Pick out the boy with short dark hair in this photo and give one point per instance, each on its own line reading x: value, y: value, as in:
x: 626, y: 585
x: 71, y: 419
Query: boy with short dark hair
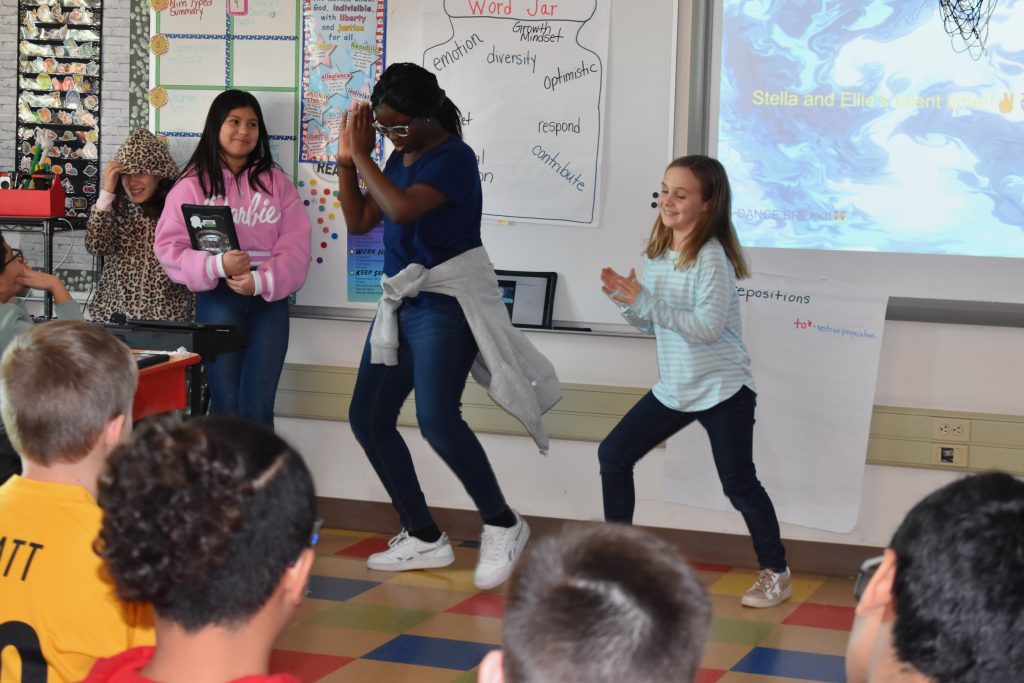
x: 66, y: 388
x: 945, y: 602
x: 605, y: 604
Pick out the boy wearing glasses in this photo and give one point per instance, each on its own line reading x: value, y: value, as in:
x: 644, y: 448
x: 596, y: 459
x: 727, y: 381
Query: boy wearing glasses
x: 945, y: 602
x: 15, y: 277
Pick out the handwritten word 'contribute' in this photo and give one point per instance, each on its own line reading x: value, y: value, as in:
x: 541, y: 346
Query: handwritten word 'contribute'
x: 562, y: 170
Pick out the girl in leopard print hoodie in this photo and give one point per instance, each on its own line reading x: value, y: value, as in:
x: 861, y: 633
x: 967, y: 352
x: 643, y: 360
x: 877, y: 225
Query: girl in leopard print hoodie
x: 121, y: 229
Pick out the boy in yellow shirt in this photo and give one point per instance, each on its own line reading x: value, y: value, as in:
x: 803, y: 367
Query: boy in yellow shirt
x: 66, y: 388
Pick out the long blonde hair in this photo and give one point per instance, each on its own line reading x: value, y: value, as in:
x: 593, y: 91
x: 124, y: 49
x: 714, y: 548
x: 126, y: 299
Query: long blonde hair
x: 714, y: 222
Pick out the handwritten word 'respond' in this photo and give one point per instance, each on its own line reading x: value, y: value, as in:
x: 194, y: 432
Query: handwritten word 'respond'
x: 458, y: 52
x: 534, y: 9
x: 557, y: 127
x: 517, y: 59
x: 195, y: 8
x: 583, y: 70
x: 562, y: 170
x: 536, y: 33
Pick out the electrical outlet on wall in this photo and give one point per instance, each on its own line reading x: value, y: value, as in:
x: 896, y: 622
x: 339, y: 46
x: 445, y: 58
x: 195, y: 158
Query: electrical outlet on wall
x: 949, y: 455
x: 951, y: 429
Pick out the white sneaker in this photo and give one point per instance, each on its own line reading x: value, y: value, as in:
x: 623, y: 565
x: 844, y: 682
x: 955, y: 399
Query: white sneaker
x: 769, y: 589
x: 500, y: 547
x: 408, y: 552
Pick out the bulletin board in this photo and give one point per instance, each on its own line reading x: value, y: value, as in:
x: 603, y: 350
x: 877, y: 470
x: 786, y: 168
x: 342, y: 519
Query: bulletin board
x: 632, y: 103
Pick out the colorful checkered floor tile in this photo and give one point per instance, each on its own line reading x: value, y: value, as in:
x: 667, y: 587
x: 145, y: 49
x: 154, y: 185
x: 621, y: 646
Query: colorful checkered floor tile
x: 433, y: 626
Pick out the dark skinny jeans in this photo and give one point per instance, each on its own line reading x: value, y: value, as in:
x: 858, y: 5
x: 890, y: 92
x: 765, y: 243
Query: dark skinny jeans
x: 730, y: 428
x: 436, y: 350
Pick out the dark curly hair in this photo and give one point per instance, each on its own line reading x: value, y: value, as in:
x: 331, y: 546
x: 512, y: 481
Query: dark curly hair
x: 202, y: 518
x: 412, y: 90
x: 959, y: 586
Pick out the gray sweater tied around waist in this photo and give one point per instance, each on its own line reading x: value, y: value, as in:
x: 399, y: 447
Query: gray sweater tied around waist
x: 516, y: 375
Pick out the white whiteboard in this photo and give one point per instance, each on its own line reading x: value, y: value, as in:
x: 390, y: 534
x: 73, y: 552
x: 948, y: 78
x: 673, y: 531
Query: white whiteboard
x: 638, y: 121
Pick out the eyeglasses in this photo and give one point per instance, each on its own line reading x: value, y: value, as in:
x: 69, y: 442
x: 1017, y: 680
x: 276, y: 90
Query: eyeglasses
x: 397, y: 131
x: 315, y: 535
x: 867, y: 570
x: 15, y: 256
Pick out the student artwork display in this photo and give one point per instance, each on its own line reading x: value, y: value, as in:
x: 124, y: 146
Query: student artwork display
x: 59, y: 96
x: 343, y: 56
x: 530, y: 78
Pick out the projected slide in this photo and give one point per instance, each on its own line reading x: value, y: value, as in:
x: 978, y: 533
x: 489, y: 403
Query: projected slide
x: 854, y: 125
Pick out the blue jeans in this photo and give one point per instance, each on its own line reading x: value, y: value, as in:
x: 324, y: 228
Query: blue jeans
x: 730, y: 428
x: 436, y: 350
x: 244, y: 382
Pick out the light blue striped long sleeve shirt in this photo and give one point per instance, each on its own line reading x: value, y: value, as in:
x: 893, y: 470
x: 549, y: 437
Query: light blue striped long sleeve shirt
x: 695, y: 316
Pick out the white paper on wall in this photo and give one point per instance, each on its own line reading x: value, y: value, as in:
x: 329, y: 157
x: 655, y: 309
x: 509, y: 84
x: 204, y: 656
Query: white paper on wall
x: 814, y: 347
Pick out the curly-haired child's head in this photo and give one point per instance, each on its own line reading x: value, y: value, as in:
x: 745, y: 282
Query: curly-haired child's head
x: 202, y: 518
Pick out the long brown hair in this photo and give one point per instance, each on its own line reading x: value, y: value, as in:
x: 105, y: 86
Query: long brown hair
x: 714, y: 222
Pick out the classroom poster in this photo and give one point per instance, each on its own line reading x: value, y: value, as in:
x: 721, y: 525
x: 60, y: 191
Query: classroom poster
x: 343, y: 56
x: 814, y: 348
x: 200, y: 49
x: 530, y: 78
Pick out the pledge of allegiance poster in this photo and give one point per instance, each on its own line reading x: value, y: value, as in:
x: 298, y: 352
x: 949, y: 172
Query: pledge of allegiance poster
x: 343, y: 56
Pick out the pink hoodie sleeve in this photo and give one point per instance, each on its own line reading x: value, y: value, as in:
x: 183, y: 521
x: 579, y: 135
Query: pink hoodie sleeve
x: 285, y: 271
x: 193, y: 268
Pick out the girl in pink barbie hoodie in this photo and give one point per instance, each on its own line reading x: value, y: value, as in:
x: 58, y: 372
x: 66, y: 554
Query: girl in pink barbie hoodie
x: 246, y: 287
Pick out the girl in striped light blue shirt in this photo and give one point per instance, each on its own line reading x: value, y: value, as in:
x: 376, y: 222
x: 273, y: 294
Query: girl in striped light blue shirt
x: 687, y: 298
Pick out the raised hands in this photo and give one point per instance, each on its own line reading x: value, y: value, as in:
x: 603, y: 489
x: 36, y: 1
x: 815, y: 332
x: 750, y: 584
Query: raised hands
x: 620, y: 288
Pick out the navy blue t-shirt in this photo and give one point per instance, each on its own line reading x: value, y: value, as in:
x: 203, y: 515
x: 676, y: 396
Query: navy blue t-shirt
x: 450, y: 229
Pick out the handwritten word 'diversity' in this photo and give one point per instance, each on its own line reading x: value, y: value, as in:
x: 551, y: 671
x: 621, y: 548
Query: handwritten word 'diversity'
x: 562, y: 170
x: 534, y: 8
x: 530, y: 32
x: 516, y: 59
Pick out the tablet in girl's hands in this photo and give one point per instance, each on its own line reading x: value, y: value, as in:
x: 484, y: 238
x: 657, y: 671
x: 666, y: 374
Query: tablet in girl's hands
x: 210, y: 228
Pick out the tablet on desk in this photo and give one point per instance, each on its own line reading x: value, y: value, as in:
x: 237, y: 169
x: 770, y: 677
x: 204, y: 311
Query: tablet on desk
x: 528, y: 296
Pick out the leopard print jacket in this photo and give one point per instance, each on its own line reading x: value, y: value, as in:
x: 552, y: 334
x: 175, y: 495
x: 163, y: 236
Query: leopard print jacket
x: 132, y: 281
